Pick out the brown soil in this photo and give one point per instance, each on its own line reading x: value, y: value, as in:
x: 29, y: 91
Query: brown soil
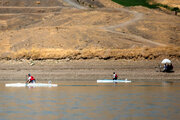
x: 84, y: 43
x: 86, y: 70
x: 64, y: 25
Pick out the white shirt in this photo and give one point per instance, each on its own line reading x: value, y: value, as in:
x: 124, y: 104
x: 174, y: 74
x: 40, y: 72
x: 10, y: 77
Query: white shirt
x: 29, y: 78
x: 114, y: 75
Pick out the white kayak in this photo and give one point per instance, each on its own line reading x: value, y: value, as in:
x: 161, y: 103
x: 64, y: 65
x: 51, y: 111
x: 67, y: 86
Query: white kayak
x: 113, y: 81
x: 31, y: 85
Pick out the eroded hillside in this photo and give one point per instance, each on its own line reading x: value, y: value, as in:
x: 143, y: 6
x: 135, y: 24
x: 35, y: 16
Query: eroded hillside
x: 59, y: 29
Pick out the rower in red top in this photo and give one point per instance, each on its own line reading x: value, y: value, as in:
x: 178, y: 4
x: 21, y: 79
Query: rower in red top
x: 31, y: 79
x: 115, y: 76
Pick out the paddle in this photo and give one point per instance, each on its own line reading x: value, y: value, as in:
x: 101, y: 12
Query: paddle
x: 26, y: 80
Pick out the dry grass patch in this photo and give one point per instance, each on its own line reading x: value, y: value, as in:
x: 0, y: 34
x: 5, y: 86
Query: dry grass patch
x: 138, y: 53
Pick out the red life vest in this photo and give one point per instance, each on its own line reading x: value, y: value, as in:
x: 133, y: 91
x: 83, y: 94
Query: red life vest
x: 32, y: 78
x: 116, y: 76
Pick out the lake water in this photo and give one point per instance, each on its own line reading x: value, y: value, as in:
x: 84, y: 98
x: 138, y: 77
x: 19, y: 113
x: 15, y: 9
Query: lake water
x: 140, y: 101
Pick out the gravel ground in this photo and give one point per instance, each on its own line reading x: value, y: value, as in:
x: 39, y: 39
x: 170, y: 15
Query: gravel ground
x: 86, y: 70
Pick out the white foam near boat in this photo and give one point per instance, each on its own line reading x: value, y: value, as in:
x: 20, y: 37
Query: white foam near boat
x: 31, y: 85
x: 113, y: 81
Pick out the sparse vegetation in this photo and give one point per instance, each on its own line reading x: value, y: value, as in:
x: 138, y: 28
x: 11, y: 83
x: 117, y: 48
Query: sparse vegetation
x: 53, y: 34
x: 136, y: 3
x: 176, y: 9
x: 139, y: 53
x: 90, y: 3
x: 146, y: 3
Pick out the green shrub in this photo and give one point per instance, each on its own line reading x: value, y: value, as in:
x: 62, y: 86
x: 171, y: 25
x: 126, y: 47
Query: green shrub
x: 145, y: 3
x: 136, y: 3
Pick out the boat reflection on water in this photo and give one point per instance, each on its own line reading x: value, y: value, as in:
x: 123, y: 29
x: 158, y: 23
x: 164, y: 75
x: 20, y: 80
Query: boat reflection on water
x: 89, y: 100
x: 167, y: 83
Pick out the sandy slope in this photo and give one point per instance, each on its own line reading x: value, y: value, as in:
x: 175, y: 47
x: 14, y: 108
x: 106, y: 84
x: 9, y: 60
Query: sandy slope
x: 86, y: 70
x: 26, y: 25
x: 70, y: 31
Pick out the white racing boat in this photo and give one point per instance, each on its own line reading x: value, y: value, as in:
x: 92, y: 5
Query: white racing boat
x: 113, y: 81
x: 31, y: 85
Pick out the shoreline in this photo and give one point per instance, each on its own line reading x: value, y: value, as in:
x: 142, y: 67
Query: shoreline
x: 86, y: 70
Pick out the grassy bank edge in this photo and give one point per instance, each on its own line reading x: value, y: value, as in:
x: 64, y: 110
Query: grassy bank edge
x: 93, y: 53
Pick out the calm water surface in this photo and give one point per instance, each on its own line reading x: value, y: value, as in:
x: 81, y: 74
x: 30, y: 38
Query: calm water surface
x: 92, y: 102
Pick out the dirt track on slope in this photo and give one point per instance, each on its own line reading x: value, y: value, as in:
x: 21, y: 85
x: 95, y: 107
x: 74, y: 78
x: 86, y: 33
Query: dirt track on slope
x: 74, y: 4
x: 137, y: 16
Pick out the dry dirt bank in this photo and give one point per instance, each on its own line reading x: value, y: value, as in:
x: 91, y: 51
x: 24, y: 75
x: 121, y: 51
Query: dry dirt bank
x: 48, y: 28
x: 39, y: 31
x: 86, y: 70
